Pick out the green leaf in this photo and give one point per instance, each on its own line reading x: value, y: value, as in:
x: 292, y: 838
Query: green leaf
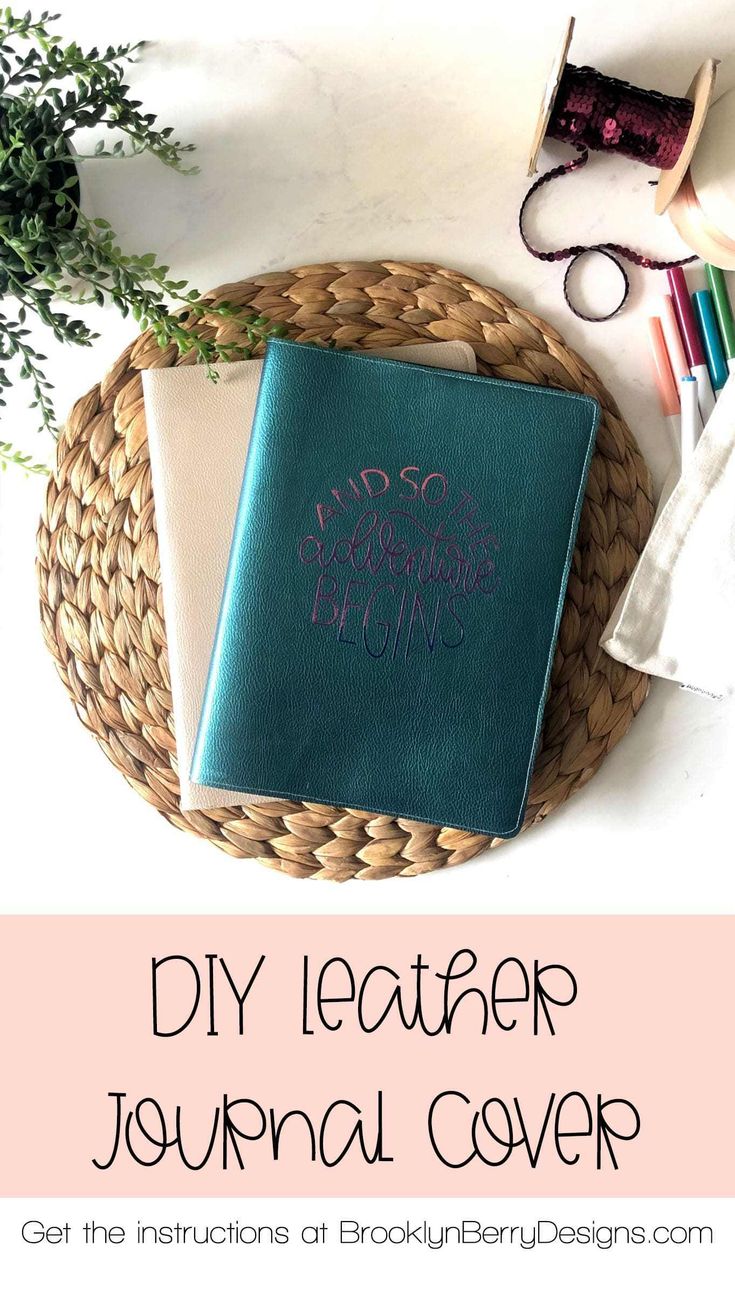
x: 58, y: 90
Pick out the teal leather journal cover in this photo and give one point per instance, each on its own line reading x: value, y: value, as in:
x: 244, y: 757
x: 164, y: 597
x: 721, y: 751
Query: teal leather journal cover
x: 395, y: 585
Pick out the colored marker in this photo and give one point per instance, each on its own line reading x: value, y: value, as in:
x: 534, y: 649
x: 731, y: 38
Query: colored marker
x: 665, y: 384
x: 690, y: 420
x: 674, y: 346
x: 692, y: 344
x: 723, y: 311
x: 677, y: 359
x: 710, y: 335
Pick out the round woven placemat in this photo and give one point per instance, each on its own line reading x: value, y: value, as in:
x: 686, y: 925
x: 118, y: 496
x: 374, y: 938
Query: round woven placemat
x: 101, y: 597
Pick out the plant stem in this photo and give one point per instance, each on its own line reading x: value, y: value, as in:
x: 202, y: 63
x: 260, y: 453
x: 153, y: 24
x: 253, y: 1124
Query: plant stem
x: 10, y: 457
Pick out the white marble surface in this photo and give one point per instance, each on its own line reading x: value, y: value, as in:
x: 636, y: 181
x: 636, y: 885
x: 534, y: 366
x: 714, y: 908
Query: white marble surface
x: 329, y: 131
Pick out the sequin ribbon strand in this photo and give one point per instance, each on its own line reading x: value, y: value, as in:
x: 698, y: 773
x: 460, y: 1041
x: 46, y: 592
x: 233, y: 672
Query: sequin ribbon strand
x: 598, y: 113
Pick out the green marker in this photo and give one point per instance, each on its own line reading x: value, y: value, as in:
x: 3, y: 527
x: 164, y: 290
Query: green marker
x: 723, y: 310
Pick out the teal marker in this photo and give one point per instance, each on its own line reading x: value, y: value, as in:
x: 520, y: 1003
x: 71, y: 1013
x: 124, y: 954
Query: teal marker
x: 723, y: 310
x: 710, y: 334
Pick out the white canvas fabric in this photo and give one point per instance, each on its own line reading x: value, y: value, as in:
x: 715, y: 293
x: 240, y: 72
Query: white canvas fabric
x: 676, y: 615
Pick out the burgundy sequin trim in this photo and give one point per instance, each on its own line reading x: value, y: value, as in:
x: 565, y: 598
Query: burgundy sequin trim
x: 606, y: 115
x: 599, y: 113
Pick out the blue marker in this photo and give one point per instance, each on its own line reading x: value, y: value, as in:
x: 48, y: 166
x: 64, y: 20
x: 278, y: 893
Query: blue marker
x: 710, y: 333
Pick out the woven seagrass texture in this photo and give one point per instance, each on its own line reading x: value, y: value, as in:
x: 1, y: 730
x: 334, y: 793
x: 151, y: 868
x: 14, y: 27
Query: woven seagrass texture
x: 99, y: 573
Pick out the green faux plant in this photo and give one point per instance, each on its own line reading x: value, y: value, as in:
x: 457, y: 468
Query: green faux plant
x: 52, y: 254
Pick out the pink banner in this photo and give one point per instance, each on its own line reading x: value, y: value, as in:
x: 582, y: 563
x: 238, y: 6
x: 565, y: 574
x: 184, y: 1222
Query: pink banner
x: 477, y: 1056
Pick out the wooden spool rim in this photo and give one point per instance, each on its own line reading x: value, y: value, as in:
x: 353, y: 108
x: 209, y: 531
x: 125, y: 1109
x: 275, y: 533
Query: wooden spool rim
x: 551, y: 89
x: 700, y: 92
